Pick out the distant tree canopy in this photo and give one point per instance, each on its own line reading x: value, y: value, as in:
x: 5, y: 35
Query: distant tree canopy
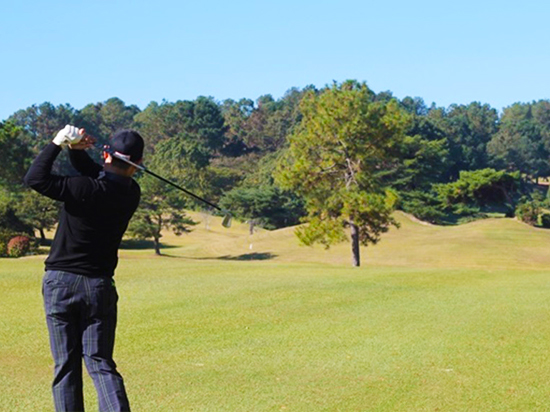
x: 101, y: 120
x: 523, y: 140
x: 468, y: 130
x: 441, y: 164
x: 15, y: 154
x: 198, y: 123
x: 42, y: 122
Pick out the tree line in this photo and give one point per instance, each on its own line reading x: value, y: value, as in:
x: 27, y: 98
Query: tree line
x: 337, y: 157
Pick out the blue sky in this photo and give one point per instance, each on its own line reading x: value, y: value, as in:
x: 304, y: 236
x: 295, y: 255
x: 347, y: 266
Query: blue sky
x: 81, y: 52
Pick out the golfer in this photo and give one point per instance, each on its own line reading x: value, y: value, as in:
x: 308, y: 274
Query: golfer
x: 80, y: 298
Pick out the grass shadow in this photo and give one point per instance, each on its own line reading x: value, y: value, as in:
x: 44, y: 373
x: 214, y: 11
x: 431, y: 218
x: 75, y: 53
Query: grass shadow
x: 250, y: 256
x: 44, y: 242
x: 142, y: 244
x: 245, y: 257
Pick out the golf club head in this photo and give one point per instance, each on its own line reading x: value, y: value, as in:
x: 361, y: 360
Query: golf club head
x: 226, y: 222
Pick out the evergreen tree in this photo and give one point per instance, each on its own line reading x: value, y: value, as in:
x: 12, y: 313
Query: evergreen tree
x: 343, y: 139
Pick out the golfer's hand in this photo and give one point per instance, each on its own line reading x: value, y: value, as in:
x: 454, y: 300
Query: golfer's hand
x: 68, y: 135
x: 85, y: 142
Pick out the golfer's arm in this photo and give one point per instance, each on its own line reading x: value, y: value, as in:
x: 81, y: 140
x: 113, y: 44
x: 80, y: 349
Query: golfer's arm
x: 40, y: 178
x: 84, y: 164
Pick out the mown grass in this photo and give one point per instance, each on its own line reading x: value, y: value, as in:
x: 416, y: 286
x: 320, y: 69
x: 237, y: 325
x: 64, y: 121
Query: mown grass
x: 449, y: 319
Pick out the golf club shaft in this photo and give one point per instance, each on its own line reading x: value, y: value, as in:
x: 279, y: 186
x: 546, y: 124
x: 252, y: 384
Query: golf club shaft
x: 177, y: 187
x: 143, y: 168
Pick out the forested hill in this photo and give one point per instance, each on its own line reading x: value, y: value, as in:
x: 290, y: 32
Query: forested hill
x: 450, y: 164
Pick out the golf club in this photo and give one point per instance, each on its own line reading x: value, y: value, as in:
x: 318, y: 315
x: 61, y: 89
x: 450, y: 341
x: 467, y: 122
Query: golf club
x: 227, y: 218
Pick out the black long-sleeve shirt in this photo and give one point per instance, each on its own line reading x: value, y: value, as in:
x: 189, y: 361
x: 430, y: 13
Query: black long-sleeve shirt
x: 97, y: 207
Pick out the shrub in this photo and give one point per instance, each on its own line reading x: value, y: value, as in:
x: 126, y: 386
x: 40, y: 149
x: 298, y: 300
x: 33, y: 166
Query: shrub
x: 545, y: 220
x: 480, y: 188
x: 18, y: 246
x: 425, y: 212
x: 5, y: 236
x: 423, y: 205
x: 528, y: 212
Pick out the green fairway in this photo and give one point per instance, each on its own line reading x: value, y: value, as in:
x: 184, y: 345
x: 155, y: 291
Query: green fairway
x: 437, y: 318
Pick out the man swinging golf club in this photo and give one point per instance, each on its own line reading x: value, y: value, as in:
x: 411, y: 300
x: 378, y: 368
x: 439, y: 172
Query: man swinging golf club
x: 80, y: 298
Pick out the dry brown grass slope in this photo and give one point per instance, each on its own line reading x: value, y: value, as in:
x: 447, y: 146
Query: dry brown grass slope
x: 490, y: 243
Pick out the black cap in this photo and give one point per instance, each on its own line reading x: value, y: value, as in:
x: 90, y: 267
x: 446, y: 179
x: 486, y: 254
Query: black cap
x: 128, y: 143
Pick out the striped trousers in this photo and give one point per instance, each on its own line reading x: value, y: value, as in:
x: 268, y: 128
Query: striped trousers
x: 81, y: 313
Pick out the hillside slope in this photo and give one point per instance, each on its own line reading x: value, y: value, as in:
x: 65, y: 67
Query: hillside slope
x: 490, y: 243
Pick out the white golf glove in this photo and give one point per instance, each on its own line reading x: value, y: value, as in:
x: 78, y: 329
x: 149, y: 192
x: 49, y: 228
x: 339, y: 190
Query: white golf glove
x: 69, y: 135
